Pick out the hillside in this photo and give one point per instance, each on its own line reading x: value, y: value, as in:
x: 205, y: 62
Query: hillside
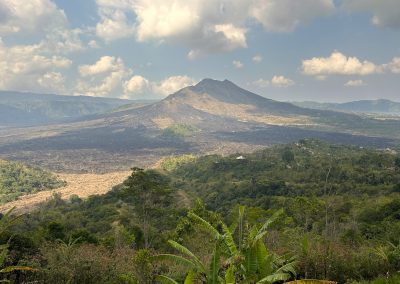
x: 340, y: 217
x: 17, y: 179
x: 287, y: 171
x: 26, y: 109
x: 364, y: 106
x: 210, y: 117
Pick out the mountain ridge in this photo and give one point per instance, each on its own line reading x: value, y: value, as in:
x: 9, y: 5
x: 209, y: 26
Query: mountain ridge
x: 29, y: 109
x: 379, y: 106
x: 210, y: 117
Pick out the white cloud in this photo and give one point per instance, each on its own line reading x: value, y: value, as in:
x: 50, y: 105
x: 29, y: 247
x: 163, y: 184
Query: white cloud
x: 172, y: 84
x: 52, y: 81
x: 237, y: 64
x: 257, y: 58
x: 110, y: 77
x: 103, y: 65
x: 234, y: 35
x: 23, y: 66
x: 20, y: 17
x: 281, y: 81
x: 394, y: 65
x: 203, y: 26
x: 63, y: 41
x: 385, y: 13
x: 136, y: 85
x: 160, y: 18
x: 355, y: 83
x: 338, y: 64
x: 105, y: 77
x: 93, y: 44
x: 41, y: 20
x: 286, y: 15
x: 114, y: 24
x: 108, y: 86
x: 276, y: 81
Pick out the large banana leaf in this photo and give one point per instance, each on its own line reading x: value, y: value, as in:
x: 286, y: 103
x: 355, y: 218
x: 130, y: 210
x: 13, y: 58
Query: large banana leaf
x: 214, y: 266
x: 187, y: 252
x: 205, y: 225
x: 165, y: 280
x: 228, y: 239
x: 263, y: 230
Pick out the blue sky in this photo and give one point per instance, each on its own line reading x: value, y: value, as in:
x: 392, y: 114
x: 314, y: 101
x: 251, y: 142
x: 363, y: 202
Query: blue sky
x: 293, y: 50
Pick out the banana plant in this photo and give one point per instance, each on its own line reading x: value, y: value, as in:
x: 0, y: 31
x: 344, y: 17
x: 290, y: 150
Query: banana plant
x: 198, y: 271
x: 260, y: 265
x: 249, y: 261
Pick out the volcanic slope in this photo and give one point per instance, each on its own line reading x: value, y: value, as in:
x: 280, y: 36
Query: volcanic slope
x: 210, y: 117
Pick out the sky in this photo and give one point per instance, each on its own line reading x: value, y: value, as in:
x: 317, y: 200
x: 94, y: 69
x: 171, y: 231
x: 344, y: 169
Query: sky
x: 288, y: 50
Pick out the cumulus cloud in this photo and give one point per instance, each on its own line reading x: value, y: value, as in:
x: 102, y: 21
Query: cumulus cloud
x: 34, y: 16
x: 286, y: 15
x: 355, y: 83
x: 385, y: 13
x: 203, y: 26
x: 276, y: 81
x: 103, y: 65
x: 108, y: 86
x: 281, y: 81
x: 52, y: 81
x: 105, y: 77
x: 339, y: 64
x: 257, y: 58
x: 394, y: 65
x: 136, y: 85
x: 172, y: 84
x: 109, y: 76
x: 237, y: 64
x: 114, y: 22
x: 42, y: 20
x: 23, y: 66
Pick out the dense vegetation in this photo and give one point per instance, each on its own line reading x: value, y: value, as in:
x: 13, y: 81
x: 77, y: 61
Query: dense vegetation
x: 304, y: 210
x: 178, y: 131
x: 17, y: 179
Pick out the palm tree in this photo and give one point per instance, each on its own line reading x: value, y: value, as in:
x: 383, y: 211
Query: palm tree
x: 249, y: 261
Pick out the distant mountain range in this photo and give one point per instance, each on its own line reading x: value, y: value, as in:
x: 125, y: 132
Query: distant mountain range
x: 28, y: 109
x: 363, y: 106
x: 210, y: 117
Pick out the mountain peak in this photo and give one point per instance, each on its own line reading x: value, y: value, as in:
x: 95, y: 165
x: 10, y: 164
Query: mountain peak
x: 213, y: 82
x: 223, y: 91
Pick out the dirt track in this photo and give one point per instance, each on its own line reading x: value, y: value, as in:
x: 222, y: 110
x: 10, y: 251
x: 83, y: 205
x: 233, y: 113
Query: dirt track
x: 82, y: 185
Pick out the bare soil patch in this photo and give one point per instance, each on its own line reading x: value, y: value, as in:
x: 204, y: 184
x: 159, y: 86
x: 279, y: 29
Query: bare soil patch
x: 82, y: 185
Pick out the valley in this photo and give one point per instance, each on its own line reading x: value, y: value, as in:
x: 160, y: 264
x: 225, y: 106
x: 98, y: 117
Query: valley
x: 205, y: 154
x: 225, y: 119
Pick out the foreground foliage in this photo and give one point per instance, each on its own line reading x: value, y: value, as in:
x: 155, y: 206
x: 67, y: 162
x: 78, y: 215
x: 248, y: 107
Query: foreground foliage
x: 336, y: 209
x: 249, y: 261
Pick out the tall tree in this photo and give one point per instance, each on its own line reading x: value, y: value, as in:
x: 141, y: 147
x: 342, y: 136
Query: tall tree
x: 149, y: 191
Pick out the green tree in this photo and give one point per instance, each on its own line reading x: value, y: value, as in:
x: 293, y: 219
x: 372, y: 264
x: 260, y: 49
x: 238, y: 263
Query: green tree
x: 287, y: 155
x: 149, y: 191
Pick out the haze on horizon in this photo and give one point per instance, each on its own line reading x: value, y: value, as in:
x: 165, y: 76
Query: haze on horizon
x: 316, y: 50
